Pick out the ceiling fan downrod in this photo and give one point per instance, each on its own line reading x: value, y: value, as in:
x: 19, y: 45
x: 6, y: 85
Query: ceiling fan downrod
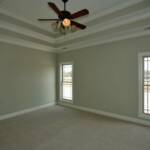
x: 65, y: 1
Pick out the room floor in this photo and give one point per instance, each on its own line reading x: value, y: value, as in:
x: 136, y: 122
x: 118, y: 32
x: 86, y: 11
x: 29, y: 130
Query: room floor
x: 59, y: 128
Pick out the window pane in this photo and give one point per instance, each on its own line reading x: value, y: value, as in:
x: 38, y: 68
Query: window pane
x: 147, y: 85
x: 67, y: 73
x: 67, y: 82
x: 67, y: 91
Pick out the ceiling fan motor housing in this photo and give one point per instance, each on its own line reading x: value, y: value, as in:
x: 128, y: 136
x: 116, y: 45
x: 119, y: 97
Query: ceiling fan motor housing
x: 65, y: 14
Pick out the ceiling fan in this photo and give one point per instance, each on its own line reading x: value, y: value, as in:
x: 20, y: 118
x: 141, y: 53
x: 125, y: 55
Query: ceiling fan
x: 65, y: 18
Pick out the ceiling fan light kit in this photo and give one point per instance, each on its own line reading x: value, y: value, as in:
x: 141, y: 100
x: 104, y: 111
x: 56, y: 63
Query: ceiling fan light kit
x: 57, y: 27
x: 65, y: 22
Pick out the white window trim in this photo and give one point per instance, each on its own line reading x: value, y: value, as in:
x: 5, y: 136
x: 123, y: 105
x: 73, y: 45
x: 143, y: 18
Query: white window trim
x: 60, y: 81
x: 141, y: 113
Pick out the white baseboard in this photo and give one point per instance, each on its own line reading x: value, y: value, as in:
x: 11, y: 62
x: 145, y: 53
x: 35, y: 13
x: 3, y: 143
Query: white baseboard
x: 14, y: 114
x: 108, y: 114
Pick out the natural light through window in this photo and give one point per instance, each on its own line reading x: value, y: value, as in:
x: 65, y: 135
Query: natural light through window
x: 66, y: 83
x: 144, y: 85
x: 147, y: 85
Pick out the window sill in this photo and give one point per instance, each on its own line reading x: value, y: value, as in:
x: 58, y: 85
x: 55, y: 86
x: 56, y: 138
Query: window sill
x: 66, y: 101
x: 144, y: 116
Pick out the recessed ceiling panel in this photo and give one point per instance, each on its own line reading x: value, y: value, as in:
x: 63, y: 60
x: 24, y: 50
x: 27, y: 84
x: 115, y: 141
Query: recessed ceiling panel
x: 33, y: 9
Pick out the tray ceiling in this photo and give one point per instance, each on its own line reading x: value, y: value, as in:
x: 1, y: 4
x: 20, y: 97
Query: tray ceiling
x: 109, y: 21
x: 33, y: 9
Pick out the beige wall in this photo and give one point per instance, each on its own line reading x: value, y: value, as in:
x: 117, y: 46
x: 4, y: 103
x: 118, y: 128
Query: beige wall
x: 106, y: 76
x: 27, y: 78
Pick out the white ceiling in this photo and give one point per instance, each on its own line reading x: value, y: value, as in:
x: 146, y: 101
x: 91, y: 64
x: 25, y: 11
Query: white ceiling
x: 109, y: 21
x: 33, y: 9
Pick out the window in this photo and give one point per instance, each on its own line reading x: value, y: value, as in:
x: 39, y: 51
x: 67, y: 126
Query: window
x: 144, y: 85
x: 66, y: 78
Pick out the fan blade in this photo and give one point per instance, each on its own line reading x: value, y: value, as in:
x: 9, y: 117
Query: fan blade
x: 48, y: 19
x: 55, y: 8
x: 81, y: 26
x: 80, y: 13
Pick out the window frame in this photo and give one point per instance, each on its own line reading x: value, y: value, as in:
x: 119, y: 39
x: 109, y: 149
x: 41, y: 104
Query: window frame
x: 141, y: 113
x: 60, y: 81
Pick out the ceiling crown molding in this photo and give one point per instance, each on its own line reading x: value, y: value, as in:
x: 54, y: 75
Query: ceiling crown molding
x: 24, y: 43
x: 138, y: 32
x: 22, y: 19
x: 25, y: 32
x: 123, y: 20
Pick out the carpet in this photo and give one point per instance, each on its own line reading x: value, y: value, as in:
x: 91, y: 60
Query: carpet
x: 60, y: 128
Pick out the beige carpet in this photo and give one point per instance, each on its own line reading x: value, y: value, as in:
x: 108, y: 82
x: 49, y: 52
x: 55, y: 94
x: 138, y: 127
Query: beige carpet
x: 59, y: 128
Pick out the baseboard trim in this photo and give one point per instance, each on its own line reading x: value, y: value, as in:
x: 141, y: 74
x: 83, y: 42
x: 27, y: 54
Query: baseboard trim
x: 25, y: 111
x: 108, y: 114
